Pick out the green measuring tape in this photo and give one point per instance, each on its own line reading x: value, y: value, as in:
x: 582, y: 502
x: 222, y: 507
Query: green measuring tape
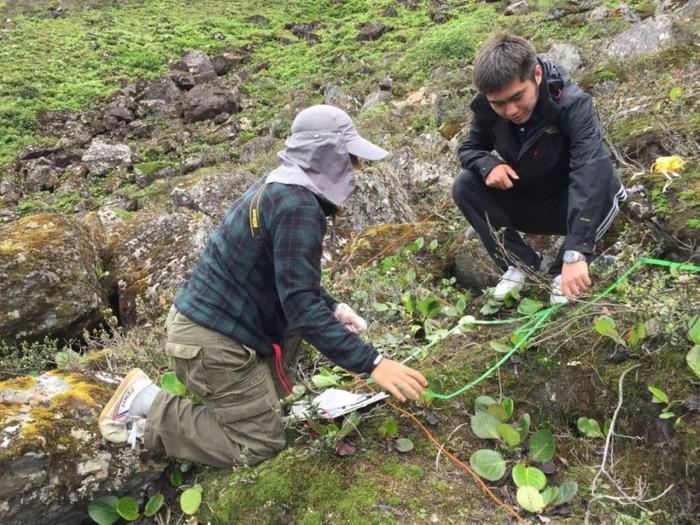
x: 537, y: 320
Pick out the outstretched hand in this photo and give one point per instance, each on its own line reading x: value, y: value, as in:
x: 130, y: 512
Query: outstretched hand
x: 399, y: 380
x: 574, y: 279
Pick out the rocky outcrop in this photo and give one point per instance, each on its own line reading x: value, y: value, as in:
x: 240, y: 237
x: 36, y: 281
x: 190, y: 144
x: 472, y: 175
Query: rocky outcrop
x: 212, y: 194
x: 52, y: 459
x: 379, y: 197
x: 49, y: 266
x: 644, y: 37
x: 150, y: 256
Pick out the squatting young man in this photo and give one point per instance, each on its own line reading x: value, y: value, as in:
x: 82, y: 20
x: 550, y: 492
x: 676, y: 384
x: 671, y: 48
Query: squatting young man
x: 535, y: 162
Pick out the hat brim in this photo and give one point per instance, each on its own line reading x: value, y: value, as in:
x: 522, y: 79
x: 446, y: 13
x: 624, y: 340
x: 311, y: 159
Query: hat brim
x: 365, y: 149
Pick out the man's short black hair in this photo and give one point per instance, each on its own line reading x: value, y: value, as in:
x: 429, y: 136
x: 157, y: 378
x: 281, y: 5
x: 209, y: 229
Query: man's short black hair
x: 501, y: 60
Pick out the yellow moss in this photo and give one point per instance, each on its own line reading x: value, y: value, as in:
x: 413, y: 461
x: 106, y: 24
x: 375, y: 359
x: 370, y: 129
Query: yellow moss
x: 7, y: 247
x: 44, y: 230
x: 18, y: 383
x: 383, y: 239
x: 7, y: 412
x: 87, y: 394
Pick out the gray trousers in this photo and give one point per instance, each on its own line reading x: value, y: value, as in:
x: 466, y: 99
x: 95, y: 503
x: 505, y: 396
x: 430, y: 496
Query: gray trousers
x: 239, y: 418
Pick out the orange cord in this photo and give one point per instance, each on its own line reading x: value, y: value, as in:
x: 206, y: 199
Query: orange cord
x: 451, y: 456
x: 456, y: 460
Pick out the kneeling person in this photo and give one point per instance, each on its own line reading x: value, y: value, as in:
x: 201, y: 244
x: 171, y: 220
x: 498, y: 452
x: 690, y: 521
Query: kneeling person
x: 258, y: 278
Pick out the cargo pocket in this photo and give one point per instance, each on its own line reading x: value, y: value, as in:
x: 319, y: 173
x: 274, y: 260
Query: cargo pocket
x: 187, y: 363
x: 251, y: 393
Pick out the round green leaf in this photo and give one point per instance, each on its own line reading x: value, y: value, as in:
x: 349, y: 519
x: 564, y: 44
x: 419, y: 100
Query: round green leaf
x: 485, y: 426
x: 154, y: 504
x: 529, y: 306
x: 403, y: 445
x: 482, y: 403
x: 128, y: 508
x: 191, y: 499
x: 497, y: 411
x: 566, y: 492
x: 488, y: 464
x: 530, y: 499
x: 104, y: 510
x: 388, y: 428
x: 529, y: 476
x: 693, y: 359
x: 176, y: 478
x: 542, y: 445
x: 509, y: 434
x: 589, y: 427
x: 549, y: 495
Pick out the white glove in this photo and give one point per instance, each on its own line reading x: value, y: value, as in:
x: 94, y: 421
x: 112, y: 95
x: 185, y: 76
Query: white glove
x: 349, y: 318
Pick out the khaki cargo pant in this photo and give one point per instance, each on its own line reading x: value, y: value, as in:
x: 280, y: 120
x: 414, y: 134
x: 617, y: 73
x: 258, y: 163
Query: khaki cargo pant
x: 239, y: 420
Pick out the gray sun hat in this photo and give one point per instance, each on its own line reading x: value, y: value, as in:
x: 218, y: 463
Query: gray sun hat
x: 330, y: 118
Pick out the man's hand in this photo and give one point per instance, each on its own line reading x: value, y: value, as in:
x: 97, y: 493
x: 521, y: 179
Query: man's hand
x: 399, y: 380
x: 574, y: 279
x: 501, y: 177
x: 349, y: 318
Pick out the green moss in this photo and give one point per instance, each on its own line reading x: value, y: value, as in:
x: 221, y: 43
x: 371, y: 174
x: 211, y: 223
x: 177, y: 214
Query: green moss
x: 312, y: 489
x: 148, y: 168
x: 402, y: 469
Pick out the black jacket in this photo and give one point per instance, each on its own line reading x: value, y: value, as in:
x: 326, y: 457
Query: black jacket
x: 564, y: 149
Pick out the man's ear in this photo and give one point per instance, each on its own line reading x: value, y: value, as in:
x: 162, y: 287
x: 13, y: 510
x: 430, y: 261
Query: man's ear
x: 538, y: 74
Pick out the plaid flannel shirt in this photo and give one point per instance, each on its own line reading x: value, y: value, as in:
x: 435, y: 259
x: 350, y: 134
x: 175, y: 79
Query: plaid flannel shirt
x: 252, y: 288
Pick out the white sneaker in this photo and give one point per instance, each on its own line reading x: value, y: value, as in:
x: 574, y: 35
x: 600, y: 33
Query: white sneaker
x: 115, y: 419
x: 556, y: 297
x: 513, y: 279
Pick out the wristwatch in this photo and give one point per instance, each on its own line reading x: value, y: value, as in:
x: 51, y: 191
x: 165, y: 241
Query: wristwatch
x: 572, y: 256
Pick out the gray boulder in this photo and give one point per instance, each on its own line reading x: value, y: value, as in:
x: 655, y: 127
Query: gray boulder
x: 40, y: 174
x: 206, y: 101
x: 381, y: 198
x: 48, y: 281
x: 333, y: 96
x: 103, y: 157
x: 150, y: 257
x: 375, y: 99
x: 643, y: 37
x: 163, y: 98
x: 199, y: 65
x: 371, y: 31
x: 568, y: 55
x: 516, y: 8
x: 212, y: 194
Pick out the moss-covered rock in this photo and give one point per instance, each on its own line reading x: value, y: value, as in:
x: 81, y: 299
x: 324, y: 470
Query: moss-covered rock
x: 52, y: 460
x: 48, y: 278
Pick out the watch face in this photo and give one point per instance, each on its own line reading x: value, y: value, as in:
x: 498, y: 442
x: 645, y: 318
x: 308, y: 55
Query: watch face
x: 571, y: 257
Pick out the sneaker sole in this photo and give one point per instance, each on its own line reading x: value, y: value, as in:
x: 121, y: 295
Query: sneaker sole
x: 107, y: 424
